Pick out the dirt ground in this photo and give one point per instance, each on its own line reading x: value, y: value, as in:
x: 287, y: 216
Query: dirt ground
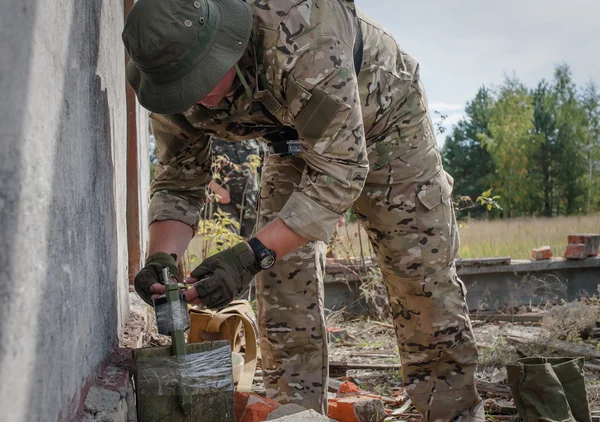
x: 373, y: 343
x: 364, y: 351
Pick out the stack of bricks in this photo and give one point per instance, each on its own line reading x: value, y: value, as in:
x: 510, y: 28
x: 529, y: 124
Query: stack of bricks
x: 582, y: 246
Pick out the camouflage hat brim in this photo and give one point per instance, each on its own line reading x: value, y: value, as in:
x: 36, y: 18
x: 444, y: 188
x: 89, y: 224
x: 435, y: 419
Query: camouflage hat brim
x: 231, y: 23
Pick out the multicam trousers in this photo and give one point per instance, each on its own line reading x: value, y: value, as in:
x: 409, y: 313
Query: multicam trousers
x: 406, y: 210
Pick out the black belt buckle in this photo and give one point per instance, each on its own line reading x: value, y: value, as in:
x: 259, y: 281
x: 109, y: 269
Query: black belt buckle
x: 285, y: 148
x: 293, y: 148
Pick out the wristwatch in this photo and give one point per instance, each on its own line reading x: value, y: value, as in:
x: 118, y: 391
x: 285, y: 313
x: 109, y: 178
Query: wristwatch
x: 265, y: 258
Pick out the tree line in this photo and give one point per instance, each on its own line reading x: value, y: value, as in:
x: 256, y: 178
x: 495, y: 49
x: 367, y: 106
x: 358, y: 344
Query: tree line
x: 538, y: 149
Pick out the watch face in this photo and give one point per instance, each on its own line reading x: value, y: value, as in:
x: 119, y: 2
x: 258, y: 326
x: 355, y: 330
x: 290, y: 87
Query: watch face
x: 267, y: 262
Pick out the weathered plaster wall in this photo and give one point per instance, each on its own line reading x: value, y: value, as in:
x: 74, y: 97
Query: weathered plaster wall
x: 63, y: 254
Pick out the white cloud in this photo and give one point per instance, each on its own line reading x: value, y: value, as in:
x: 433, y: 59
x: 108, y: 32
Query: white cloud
x: 445, y: 107
x: 453, y: 119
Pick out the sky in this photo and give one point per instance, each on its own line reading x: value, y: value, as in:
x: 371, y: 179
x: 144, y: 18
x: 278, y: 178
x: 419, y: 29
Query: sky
x: 464, y: 44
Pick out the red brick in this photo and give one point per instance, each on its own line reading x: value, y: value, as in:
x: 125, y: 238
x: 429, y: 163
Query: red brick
x: 348, y: 387
x: 576, y: 251
x: 257, y: 412
x: 591, y: 242
x: 544, y: 252
x: 241, y: 406
x: 342, y: 409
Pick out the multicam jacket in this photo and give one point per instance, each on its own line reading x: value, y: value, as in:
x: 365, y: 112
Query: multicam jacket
x: 298, y: 71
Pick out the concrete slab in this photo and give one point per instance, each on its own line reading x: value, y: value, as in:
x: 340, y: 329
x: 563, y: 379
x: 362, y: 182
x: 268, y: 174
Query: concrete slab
x: 286, y: 410
x: 306, y: 416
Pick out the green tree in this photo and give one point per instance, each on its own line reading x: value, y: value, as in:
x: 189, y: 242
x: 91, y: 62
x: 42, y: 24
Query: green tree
x: 511, y: 143
x: 545, y: 159
x: 590, y: 100
x: 464, y: 157
x: 570, y: 142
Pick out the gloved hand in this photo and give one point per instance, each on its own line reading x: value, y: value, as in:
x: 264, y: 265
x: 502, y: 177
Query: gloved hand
x: 152, y: 274
x: 224, y: 275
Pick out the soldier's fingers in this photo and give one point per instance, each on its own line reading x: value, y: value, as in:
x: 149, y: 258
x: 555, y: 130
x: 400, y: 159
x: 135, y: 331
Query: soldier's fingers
x: 191, y: 279
x: 201, y: 270
x: 157, y: 288
x: 216, y: 300
x: 190, y: 295
x: 206, y: 286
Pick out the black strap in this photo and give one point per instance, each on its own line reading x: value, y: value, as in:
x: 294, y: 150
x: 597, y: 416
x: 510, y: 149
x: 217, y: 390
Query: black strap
x: 358, y: 47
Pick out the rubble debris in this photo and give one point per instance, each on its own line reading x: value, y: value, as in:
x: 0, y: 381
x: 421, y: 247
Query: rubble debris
x: 541, y: 253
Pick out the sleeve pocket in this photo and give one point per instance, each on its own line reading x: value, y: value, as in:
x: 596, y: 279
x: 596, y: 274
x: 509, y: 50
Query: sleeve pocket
x: 432, y: 193
x: 316, y: 115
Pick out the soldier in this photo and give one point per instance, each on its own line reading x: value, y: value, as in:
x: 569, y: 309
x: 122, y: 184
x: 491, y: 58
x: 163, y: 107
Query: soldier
x: 238, y: 189
x: 345, y: 113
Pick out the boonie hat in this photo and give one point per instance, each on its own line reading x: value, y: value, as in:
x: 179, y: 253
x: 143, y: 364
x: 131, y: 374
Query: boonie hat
x: 181, y: 49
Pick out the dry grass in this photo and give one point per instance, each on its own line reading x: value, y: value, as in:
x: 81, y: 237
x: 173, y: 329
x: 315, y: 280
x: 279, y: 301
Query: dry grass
x: 479, y: 239
x: 516, y: 238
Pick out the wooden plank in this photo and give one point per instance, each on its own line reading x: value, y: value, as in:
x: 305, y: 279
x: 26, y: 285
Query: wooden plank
x: 338, y: 369
x: 489, y: 387
x: 483, y: 262
x: 562, y: 347
x: 214, y: 403
x: 505, y: 317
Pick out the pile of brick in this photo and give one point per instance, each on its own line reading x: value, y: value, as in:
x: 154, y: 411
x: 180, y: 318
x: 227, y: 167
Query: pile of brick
x: 582, y: 246
x: 350, y: 404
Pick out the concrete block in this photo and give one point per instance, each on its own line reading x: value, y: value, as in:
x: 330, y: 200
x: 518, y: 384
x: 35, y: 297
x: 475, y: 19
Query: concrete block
x: 103, y: 405
x: 591, y: 242
x: 100, y: 400
x: 306, y: 416
x: 369, y: 410
x: 544, y: 252
x: 576, y: 251
x: 285, y: 410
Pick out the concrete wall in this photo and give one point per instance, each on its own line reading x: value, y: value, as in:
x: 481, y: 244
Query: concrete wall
x: 63, y: 254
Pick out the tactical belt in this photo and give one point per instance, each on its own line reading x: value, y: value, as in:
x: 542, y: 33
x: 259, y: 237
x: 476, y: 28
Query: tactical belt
x: 285, y: 141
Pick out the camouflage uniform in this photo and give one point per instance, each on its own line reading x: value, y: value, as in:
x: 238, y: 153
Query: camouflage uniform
x: 380, y: 157
x: 242, y: 184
